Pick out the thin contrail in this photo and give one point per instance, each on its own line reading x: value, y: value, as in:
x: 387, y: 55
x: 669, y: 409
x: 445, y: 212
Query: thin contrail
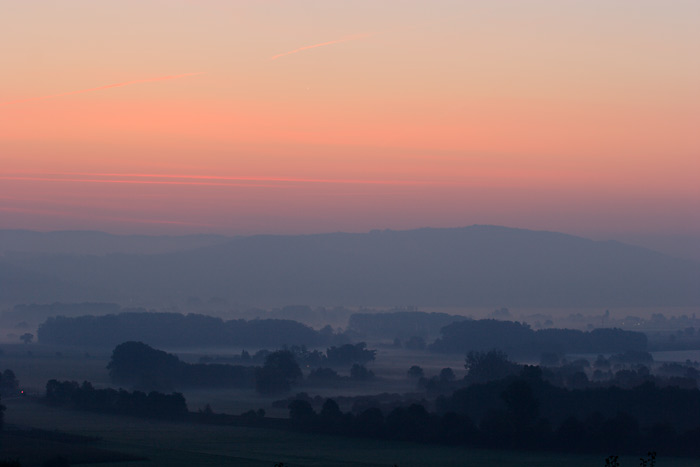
x: 322, y: 44
x: 99, y: 88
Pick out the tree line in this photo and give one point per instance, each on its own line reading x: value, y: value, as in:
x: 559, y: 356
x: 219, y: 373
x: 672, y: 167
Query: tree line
x: 334, y: 356
x: 526, y: 413
x: 141, y: 366
x: 9, y: 386
x: 519, y: 339
x: 137, y: 403
x: 457, y: 334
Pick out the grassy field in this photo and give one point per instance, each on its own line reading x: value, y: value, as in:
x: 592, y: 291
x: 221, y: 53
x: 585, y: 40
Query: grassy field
x: 181, y: 444
x: 35, y: 450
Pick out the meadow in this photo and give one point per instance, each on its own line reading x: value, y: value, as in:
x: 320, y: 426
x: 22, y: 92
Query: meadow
x: 183, y: 444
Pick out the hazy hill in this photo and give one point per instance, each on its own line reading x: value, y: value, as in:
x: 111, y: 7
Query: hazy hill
x: 477, y: 266
x: 99, y: 243
x: 17, y: 283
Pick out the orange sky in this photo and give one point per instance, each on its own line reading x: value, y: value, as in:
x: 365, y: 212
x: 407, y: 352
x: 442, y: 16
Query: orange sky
x: 287, y: 117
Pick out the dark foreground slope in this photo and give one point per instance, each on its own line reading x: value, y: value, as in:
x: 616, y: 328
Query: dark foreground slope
x: 472, y: 266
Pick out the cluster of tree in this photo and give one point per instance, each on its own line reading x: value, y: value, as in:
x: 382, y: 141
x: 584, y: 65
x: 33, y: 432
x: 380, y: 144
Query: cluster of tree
x: 633, y: 377
x: 343, y: 355
x: 648, y: 403
x: 625, y: 370
x: 481, y: 367
x: 519, y: 339
x: 278, y: 373
x: 9, y: 385
x: 525, y: 412
x: 577, y: 374
x: 350, y: 354
x: 666, y: 332
x: 441, y: 383
x: 281, y: 370
x: 27, y: 338
x: 677, y: 370
x: 86, y: 397
x: 400, y: 325
x: 178, y: 330
x: 141, y: 366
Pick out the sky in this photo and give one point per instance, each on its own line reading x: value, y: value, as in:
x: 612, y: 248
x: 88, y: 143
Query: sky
x: 245, y: 117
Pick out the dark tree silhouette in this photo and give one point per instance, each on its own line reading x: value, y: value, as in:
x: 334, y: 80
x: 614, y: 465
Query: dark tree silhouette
x: 2, y: 415
x: 137, y: 403
x: 370, y: 422
x: 331, y: 410
x: 146, y: 368
x: 138, y: 364
x: 518, y: 338
x: 415, y: 372
x: 349, y: 353
x: 278, y: 373
x: 27, y: 337
x: 447, y: 375
x: 411, y: 423
x: 8, y: 383
x: 521, y: 405
x: 330, y: 417
x: 488, y: 366
x: 301, y: 413
x: 415, y: 343
x: 360, y: 373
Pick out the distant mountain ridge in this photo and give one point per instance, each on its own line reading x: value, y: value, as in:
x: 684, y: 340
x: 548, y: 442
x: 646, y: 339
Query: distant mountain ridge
x: 470, y: 266
x: 99, y: 243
